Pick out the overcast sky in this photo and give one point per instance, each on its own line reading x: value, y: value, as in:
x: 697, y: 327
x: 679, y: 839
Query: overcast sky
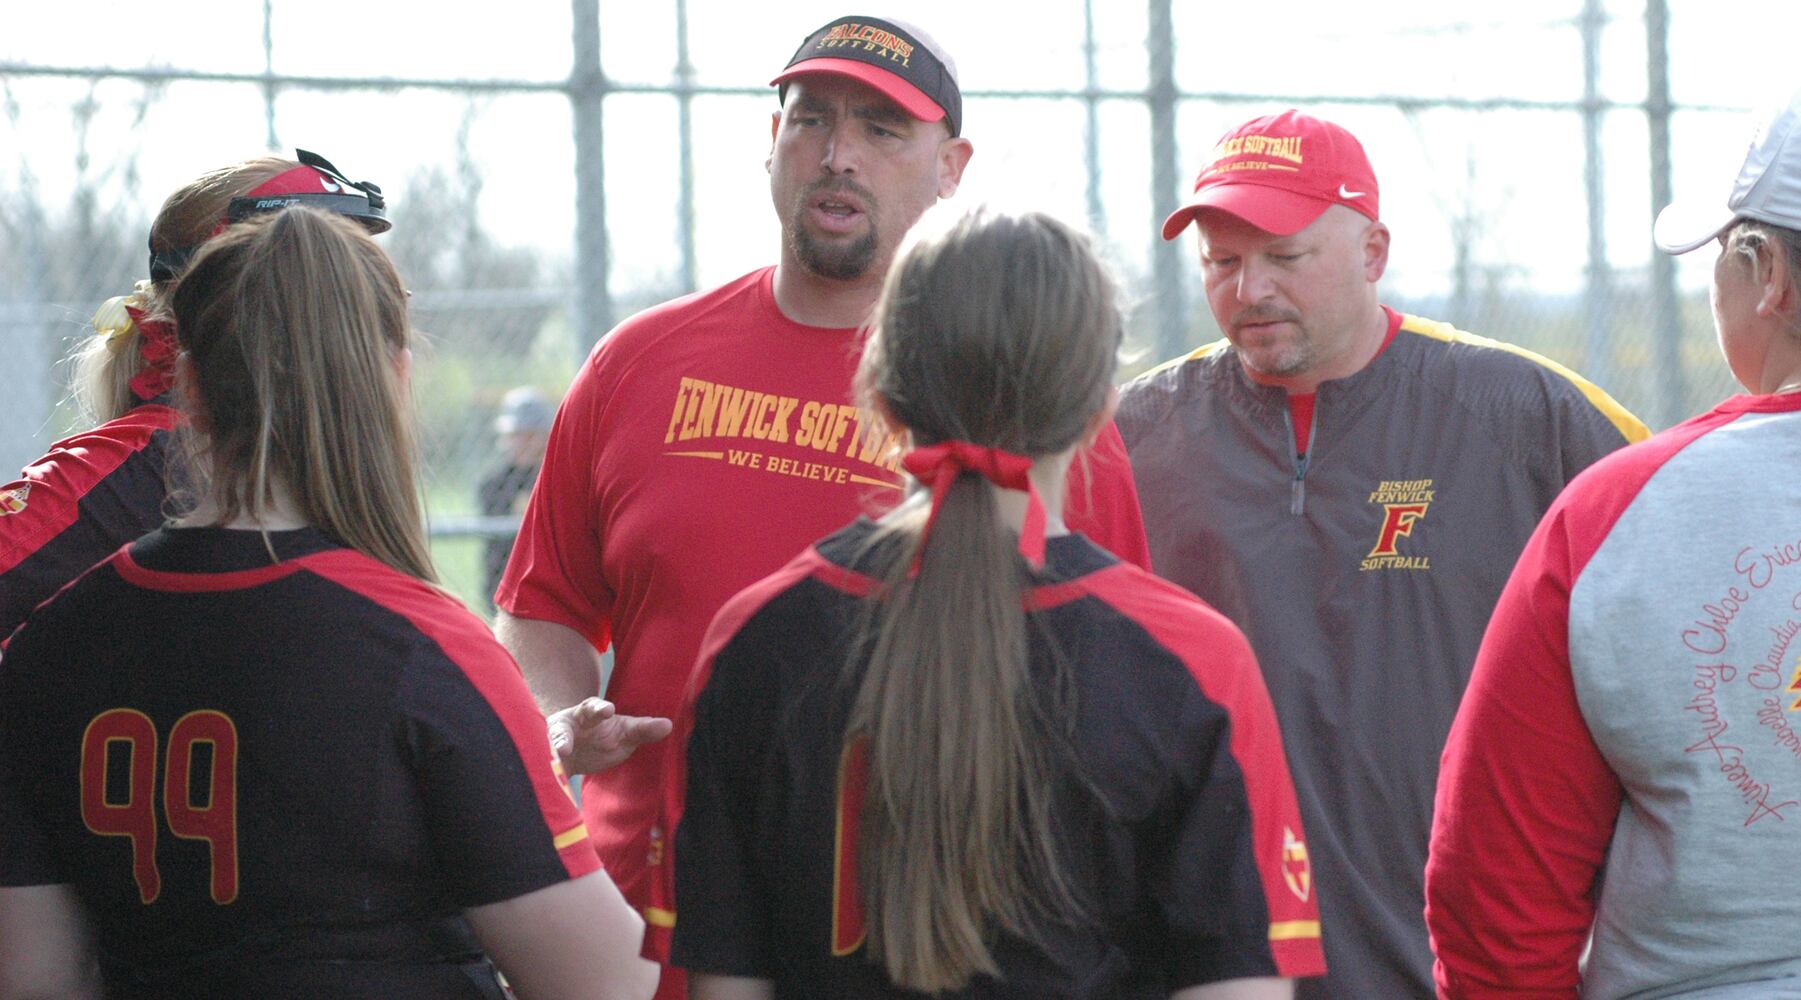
x: 1517, y: 174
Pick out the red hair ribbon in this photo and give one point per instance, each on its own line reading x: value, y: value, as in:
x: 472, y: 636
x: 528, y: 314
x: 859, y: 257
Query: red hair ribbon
x: 938, y: 466
x: 156, y: 342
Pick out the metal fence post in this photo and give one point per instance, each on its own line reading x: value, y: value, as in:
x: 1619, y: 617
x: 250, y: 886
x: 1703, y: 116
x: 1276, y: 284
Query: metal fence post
x: 1597, y: 299
x: 684, y: 99
x: 1666, y: 308
x: 1166, y: 256
x: 25, y: 402
x: 269, y: 73
x: 1091, y: 139
x: 593, y: 300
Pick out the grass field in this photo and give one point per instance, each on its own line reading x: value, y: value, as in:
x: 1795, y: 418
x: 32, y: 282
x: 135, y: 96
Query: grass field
x: 459, y: 562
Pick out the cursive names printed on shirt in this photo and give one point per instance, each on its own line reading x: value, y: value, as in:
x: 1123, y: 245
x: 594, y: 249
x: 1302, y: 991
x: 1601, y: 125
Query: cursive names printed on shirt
x: 1740, y: 614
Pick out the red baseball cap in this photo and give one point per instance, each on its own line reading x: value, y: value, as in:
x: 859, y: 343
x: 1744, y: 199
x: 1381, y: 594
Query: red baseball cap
x: 892, y: 56
x: 1279, y: 173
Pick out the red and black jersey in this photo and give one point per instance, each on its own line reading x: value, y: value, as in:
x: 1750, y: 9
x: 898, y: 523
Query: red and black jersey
x: 276, y: 778
x: 1179, y: 825
x: 91, y: 493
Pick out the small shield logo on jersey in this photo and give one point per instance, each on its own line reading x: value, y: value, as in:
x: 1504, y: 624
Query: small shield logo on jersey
x: 13, y: 501
x: 1297, y: 871
x: 654, y: 856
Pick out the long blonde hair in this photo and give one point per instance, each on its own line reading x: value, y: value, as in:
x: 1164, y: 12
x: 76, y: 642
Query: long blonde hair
x: 103, y: 365
x: 1001, y: 331
x: 294, y: 324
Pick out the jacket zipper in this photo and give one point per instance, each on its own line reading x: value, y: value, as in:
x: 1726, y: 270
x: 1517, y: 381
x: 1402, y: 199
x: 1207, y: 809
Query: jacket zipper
x: 1297, y: 490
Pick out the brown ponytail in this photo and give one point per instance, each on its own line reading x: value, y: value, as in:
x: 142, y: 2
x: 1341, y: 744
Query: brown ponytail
x: 1002, y: 332
x: 294, y: 323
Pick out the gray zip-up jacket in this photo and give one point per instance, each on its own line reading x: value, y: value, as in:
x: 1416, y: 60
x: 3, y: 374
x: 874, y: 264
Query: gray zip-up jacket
x: 1363, y: 575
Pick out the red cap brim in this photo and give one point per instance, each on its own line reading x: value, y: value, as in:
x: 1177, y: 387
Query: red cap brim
x: 911, y: 99
x: 1270, y: 209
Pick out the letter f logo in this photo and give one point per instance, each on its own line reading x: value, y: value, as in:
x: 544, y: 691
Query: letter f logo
x: 1396, y: 522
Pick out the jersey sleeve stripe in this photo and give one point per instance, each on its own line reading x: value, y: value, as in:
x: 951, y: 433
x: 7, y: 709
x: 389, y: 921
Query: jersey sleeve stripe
x: 1630, y: 427
x: 1291, y: 930
x: 466, y: 642
x: 574, y: 835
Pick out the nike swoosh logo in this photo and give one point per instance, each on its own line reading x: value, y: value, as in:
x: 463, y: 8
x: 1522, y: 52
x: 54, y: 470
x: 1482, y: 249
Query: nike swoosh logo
x: 1345, y: 192
x: 329, y: 185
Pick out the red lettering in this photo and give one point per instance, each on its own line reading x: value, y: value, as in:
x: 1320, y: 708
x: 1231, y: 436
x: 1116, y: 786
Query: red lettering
x: 136, y: 816
x: 217, y: 821
x: 847, y: 899
x: 1398, y: 521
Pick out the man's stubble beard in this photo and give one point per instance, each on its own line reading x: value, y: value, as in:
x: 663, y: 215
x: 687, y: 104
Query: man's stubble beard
x: 839, y: 262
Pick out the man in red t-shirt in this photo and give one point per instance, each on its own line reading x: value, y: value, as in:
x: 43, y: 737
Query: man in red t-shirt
x: 709, y: 440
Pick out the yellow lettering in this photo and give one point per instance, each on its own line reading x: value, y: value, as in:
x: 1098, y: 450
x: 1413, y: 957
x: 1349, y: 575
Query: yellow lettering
x: 871, y: 433
x: 758, y: 424
x: 675, y: 419
x: 694, y: 398
x: 732, y: 410
x: 784, y: 409
x: 845, y: 418
x: 816, y: 426
x: 709, y: 407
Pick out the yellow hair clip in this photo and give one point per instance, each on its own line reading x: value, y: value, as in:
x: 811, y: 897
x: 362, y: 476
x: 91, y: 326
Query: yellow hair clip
x: 113, y: 321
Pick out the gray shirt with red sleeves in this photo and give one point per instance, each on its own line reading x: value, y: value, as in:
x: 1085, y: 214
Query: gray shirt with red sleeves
x: 1627, y: 760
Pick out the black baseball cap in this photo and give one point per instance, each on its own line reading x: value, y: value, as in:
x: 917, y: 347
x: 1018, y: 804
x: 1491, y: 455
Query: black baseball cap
x: 894, y: 57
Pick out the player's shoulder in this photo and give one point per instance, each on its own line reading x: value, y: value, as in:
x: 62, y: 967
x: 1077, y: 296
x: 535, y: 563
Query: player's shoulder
x: 1165, y: 625
x: 1487, y: 372
x: 649, y: 327
x: 1150, y: 397
x: 98, y: 449
x: 1147, y: 599
x: 804, y: 592
x: 1443, y: 350
x: 1614, y: 480
x: 416, y: 613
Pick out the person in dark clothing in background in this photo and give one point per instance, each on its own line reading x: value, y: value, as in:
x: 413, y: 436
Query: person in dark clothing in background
x: 523, y: 428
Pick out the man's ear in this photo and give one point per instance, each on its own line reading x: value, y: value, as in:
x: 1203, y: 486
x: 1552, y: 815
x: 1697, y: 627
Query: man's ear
x: 1779, y: 296
x: 1375, y: 252
x: 953, y: 156
x: 775, y: 125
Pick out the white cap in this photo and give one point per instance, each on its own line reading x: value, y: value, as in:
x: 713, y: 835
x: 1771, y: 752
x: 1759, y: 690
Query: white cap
x: 1767, y: 188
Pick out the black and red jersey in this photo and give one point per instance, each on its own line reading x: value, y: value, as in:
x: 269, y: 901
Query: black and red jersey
x: 275, y: 777
x: 1179, y: 825
x: 91, y: 493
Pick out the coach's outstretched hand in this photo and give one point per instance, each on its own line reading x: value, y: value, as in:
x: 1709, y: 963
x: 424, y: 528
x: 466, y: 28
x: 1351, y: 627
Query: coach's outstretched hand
x: 590, y: 736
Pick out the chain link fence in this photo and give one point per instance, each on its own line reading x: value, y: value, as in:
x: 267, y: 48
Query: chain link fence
x: 555, y: 170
